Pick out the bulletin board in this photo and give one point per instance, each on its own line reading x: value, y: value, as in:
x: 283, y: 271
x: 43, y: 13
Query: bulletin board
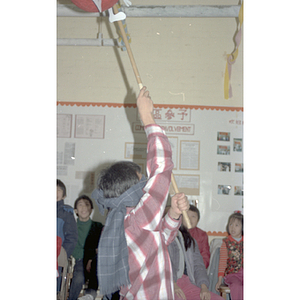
x: 207, y: 147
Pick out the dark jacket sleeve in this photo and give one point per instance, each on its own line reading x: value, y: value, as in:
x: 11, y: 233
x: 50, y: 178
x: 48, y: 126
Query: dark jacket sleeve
x: 70, y: 233
x: 92, y: 241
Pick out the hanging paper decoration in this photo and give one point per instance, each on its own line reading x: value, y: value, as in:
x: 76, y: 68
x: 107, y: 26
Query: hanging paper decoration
x: 102, y: 5
x: 231, y: 58
x: 120, y: 39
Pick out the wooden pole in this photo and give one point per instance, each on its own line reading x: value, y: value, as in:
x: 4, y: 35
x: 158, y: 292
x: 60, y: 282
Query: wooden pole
x: 131, y: 58
x: 184, y: 213
x: 139, y: 81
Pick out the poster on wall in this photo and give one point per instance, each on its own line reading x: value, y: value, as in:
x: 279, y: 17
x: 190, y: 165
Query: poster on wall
x: 64, y: 125
x: 69, y: 154
x: 89, y: 126
x: 135, y: 151
x: 188, y: 184
x: 189, y: 155
x: 62, y: 171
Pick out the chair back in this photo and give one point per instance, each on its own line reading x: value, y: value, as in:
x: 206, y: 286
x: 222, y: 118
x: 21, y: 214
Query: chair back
x: 62, y: 261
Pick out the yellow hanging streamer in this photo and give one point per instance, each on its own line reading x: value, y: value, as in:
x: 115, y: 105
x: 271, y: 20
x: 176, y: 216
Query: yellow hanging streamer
x: 226, y: 81
x: 231, y: 58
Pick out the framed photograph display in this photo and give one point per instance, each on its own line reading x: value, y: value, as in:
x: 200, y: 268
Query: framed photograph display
x: 238, y: 191
x: 224, y: 166
x: 189, y: 155
x: 238, y: 167
x: 224, y: 189
x: 223, y: 150
x: 223, y: 136
x: 238, y: 145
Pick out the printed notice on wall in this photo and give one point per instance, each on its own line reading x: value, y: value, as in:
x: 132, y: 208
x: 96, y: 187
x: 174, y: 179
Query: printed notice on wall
x: 135, y: 150
x: 62, y: 170
x: 190, y: 155
x: 59, y: 157
x: 69, y: 154
x: 188, y: 184
x: 89, y: 126
x: 64, y: 125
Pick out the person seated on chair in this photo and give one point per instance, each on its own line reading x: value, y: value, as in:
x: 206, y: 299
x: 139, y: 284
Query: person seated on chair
x: 189, y: 272
x: 231, y: 261
x: 85, y: 252
x: 66, y: 229
x: 198, y: 234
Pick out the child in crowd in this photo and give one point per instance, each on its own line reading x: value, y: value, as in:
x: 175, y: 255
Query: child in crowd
x: 231, y: 257
x: 66, y: 224
x: 133, y: 254
x: 85, y: 252
x: 189, y: 272
x: 66, y: 228
x: 198, y: 234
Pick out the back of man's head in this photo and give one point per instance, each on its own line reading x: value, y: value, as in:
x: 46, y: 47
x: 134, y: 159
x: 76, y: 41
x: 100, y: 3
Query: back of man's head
x: 118, y: 178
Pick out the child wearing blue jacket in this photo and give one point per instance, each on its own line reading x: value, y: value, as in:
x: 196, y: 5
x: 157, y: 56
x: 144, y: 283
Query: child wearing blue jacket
x: 66, y: 228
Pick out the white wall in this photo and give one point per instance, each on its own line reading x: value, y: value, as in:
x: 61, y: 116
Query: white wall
x: 182, y: 62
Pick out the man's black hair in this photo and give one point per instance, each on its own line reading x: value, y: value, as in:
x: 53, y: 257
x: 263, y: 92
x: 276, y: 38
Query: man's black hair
x: 118, y: 178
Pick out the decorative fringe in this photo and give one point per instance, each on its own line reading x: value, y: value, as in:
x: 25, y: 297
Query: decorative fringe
x: 231, y: 58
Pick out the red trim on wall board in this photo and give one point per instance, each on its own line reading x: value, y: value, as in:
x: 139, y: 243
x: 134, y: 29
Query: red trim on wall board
x: 103, y: 104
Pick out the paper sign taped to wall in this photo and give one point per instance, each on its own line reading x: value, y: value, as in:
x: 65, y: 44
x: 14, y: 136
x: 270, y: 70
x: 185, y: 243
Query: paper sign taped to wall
x: 188, y: 184
x: 89, y: 126
x: 136, y: 150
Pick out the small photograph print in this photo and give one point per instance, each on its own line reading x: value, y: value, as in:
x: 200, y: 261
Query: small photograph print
x: 237, y: 145
x: 239, y: 168
x: 223, y: 150
x: 223, y: 136
x: 224, y: 189
x: 224, y: 166
x: 238, y: 190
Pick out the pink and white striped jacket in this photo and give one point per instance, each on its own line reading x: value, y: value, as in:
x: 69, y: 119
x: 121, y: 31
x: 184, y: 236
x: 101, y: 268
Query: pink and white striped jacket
x: 147, y: 233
